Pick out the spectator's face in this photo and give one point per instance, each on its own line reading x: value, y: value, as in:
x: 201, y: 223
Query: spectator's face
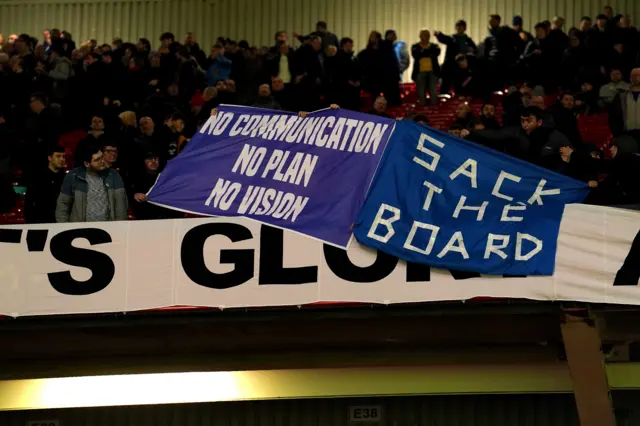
x: 189, y: 39
x: 608, y: 11
x: 489, y: 111
x: 540, y: 33
x: 110, y: 155
x: 585, y: 24
x: 529, y: 124
x: 460, y: 29
x: 177, y: 125
x: 558, y: 23
x: 455, y: 132
x: 601, y: 23
x: 635, y: 78
x: 574, y: 41
x: 166, y: 42
x: 463, y: 64
x: 215, y: 51
x: 155, y: 62
x: 331, y: 51
x: 478, y: 127
x: 425, y: 37
x: 97, y: 124
x: 616, y: 76
x: 392, y: 37
x: 380, y: 105
x: 316, y: 44
x: 13, y: 38
x: 625, y: 22
x: 36, y: 105
x: 282, y: 38
x: 277, y: 84
x: 321, y: 29
x: 231, y: 85
x: 173, y: 90
x: 264, y: 91
x: 463, y: 110
x: 146, y: 125
x: 347, y: 47
x: 152, y: 164
x: 57, y: 34
x: 221, y: 86
x: 58, y: 160
x: 107, y: 59
x: 46, y: 35
x: 493, y: 23
x: 568, y: 102
x: 97, y: 163
x: 537, y: 101
x: 517, y: 28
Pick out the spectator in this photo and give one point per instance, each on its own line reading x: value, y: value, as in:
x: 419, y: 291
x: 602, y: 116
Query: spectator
x: 42, y: 129
x: 488, y: 117
x: 624, y: 113
x: 609, y: 91
x: 194, y: 50
x: 457, y: 44
x: 400, y: 49
x: 426, y: 68
x: 464, y: 81
x: 531, y: 141
x: 281, y: 59
x: 283, y: 95
x: 327, y: 38
x: 309, y: 78
x: 464, y: 116
x: 141, y: 184
x: 167, y: 139
x: 380, y: 107
x: 43, y: 189
x: 501, y: 52
x: 565, y: 120
x: 61, y: 72
x: 92, y: 192
x: 95, y: 137
x: 524, y: 36
x: 211, y: 101
x: 265, y: 100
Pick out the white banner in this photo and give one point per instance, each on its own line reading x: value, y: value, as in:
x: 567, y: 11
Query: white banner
x: 229, y: 262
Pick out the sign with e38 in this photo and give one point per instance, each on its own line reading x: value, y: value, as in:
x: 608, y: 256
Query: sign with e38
x: 365, y: 413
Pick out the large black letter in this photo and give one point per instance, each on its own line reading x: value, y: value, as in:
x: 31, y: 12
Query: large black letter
x: 629, y: 273
x: 272, y: 270
x: 339, y: 263
x: 101, y: 265
x: 192, y: 256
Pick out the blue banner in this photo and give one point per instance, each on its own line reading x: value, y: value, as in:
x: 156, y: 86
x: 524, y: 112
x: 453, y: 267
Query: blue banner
x: 450, y: 203
x: 309, y: 175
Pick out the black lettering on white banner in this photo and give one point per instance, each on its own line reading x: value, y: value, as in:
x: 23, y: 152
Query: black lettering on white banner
x: 102, y: 267
x: 272, y: 270
x: 192, y: 256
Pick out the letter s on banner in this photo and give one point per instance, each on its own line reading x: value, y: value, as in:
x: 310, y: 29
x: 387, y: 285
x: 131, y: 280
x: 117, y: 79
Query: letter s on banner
x: 192, y: 256
x: 102, y: 267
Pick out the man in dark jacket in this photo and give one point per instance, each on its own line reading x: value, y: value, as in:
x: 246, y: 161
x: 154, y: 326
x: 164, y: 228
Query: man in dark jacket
x: 501, y: 52
x: 459, y: 43
x: 310, y: 75
x: 565, y: 120
x: 42, y: 131
x: 141, y: 183
x: 348, y: 76
x: 167, y: 138
x: 43, y: 189
x: 426, y: 68
x: 280, y: 61
x: 531, y: 141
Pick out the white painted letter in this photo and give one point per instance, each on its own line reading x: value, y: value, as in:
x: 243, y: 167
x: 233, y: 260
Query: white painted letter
x: 496, y: 188
x: 459, y: 247
x: 472, y: 173
x: 461, y: 207
x: 533, y: 252
x: 496, y: 248
x: 505, y: 213
x: 540, y: 192
x: 436, y: 157
x: 429, y: 197
x: 408, y: 244
x: 384, y: 222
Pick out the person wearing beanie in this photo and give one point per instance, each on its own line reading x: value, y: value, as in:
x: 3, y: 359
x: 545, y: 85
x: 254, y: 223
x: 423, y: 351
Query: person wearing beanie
x: 524, y: 37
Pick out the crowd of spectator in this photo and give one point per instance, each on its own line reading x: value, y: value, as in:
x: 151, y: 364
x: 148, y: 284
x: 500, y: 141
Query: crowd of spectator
x: 140, y: 107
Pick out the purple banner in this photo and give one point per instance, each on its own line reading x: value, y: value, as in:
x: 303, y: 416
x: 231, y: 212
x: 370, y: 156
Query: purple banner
x: 309, y: 175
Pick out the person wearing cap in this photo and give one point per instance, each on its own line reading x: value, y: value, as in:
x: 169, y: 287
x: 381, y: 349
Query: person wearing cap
x: 457, y: 44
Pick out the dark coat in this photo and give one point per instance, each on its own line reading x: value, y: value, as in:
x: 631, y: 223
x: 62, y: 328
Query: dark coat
x: 42, y: 194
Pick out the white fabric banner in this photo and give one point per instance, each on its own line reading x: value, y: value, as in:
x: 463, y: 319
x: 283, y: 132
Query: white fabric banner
x: 234, y: 262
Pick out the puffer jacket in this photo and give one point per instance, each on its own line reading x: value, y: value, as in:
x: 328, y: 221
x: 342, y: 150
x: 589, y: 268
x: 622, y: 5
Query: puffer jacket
x: 72, y: 201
